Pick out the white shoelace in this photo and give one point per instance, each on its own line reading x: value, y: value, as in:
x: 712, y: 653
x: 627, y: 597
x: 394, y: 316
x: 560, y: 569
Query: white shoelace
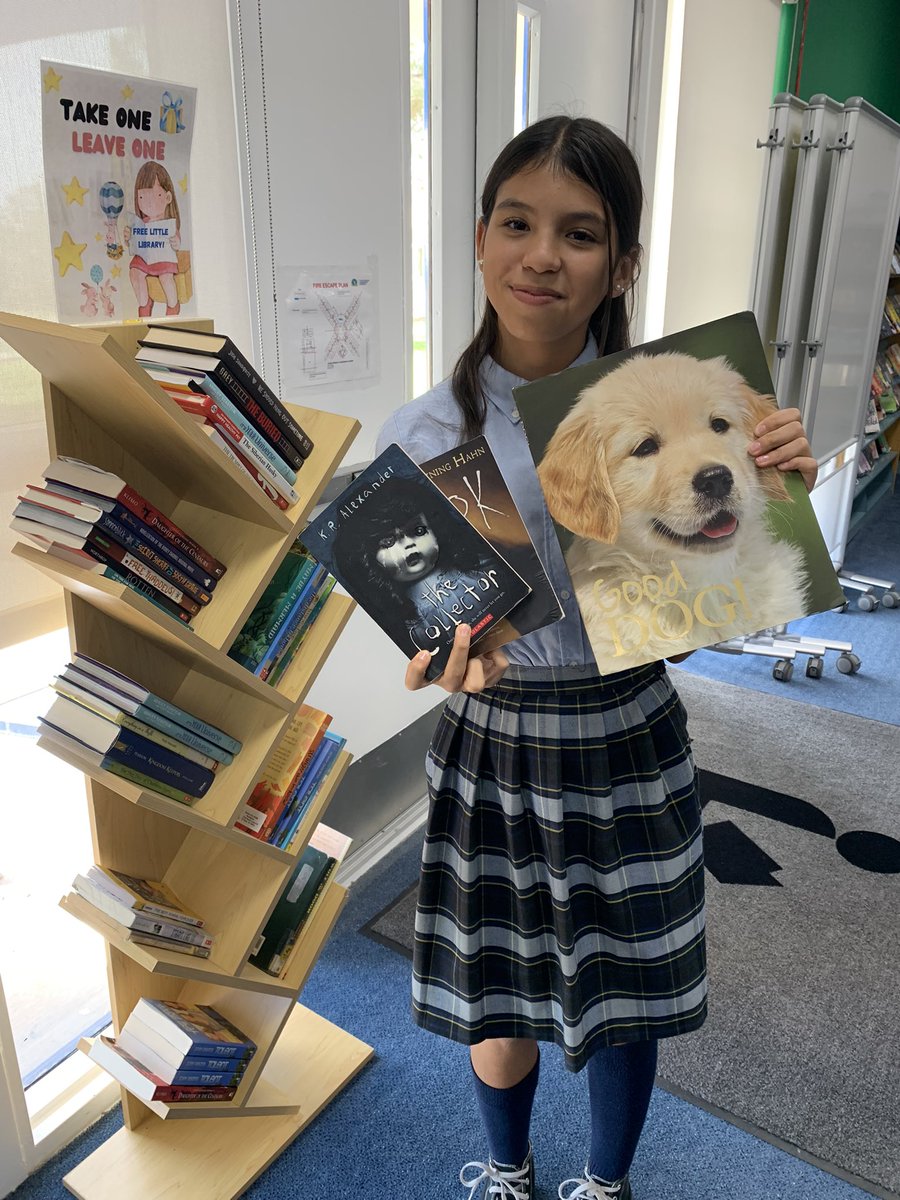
x: 587, y: 1189
x: 505, y: 1185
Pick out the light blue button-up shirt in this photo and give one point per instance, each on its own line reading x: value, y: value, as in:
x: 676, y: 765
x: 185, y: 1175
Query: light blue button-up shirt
x: 432, y: 425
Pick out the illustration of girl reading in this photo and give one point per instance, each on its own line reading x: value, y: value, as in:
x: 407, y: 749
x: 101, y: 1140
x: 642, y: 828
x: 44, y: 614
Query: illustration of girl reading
x: 400, y: 553
x: 153, y: 237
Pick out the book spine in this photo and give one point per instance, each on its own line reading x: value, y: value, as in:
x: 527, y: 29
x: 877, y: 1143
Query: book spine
x: 142, y: 754
x: 306, y: 793
x: 112, y: 554
x: 235, y: 364
x: 169, y: 531
x: 129, y: 579
x: 121, y: 520
x: 178, y: 733
x: 239, y: 461
x: 169, y: 743
x: 146, y: 781
x: 206, y: 1078
x: 283, y: 659
x: 252, y: 454
x: 300, y: 610
x: 176, y: 1094
x: 275, y: 820
x: 279, y: 960
x: 163, y: 566
x: 170, y: 929
x: 235, y: 391
x: 163, y: 943
x: 264, y: 807
x: 220, y: 406
x: 192, y: 723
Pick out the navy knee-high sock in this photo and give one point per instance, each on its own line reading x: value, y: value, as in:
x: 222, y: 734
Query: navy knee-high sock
x: 506, y: 1113
x: 620, y: 1080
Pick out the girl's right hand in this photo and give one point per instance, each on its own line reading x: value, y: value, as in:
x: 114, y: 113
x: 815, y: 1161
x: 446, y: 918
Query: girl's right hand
x: 462, y: 674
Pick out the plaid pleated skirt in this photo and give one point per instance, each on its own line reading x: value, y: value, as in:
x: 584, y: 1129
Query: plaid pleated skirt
x: 561, y: 893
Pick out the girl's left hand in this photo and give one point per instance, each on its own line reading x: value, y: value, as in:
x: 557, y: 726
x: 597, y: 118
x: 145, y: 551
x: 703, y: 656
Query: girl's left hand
x: 781, y: 441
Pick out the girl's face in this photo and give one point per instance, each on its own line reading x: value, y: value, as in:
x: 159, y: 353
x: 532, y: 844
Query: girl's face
x: 407, y: 553
x: 153, y: 202
x: 545, y: 268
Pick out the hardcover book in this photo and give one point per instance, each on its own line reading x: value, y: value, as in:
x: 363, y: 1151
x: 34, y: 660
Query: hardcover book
x: 471, y: 479
x: 410, y: 559
x: 674, y: 538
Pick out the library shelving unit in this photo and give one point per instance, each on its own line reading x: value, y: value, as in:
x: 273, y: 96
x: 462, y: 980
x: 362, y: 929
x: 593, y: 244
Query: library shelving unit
x: 102, y: 407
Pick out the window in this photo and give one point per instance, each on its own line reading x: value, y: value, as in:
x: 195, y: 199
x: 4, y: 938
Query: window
x: 528, y: 24
x: 420, y: 209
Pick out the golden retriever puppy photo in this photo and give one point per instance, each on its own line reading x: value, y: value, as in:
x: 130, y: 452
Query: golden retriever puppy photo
x: 649, y: 469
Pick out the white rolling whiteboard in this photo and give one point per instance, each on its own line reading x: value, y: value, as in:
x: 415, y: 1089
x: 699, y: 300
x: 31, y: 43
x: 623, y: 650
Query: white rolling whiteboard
x: 859, y: 229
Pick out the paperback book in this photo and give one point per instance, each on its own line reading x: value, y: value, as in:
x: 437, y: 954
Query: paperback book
x: 674, y: 538
x: 471, y: 479
x: 192, y: 1028
x: 412, y: 561
x: 141, y: 1082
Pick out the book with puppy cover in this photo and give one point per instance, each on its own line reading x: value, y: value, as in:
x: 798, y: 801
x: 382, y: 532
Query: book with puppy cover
x: 409, y: 557
x: 674, y: 538
x: 471, y: 479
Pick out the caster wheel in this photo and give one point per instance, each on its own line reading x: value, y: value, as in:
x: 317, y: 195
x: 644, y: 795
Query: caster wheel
x: 890, y: 599
x: 783, y: 670
x: 848, y: 664
x: 842, y: 608
x: 815, y: 667
x: 867, y: 602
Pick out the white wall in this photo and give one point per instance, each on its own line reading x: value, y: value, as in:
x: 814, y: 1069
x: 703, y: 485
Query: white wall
x: 727, y: 70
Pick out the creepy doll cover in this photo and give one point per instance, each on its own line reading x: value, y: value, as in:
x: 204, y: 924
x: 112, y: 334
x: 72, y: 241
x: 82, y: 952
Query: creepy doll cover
x: 409, y: 558
x: 673, y: 537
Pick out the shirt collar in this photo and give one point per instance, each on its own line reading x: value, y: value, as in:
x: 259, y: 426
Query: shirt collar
x: 498, y: 383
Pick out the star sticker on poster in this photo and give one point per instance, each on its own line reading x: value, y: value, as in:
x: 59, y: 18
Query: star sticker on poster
x: 75, y: 193
x: 68, y: 253
x: 127, y: 91
x: 182, y: 183
x: 51, y: 80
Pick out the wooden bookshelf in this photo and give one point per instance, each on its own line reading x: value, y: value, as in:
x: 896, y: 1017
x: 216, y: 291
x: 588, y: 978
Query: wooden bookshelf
x: 101, y: 407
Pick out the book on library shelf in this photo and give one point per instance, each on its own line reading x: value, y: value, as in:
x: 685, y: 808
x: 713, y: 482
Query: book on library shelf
x: 412, y: 561
x: 201, y: 353
x: 141, y: 1082
x: 193, y: 1028
x: 288, y: 605
x: 151, y: 708
x: 244, y: 464
x: 141, y: 922
x: 299, y: 900
x: 310, y: 783
x: 87, y: 728
x: 148, y: 896
x: 283, y: 769
x: 164, y: 1060
x: 470, y: 478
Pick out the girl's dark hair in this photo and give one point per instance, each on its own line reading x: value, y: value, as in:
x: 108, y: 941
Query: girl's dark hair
x: 594, y: 155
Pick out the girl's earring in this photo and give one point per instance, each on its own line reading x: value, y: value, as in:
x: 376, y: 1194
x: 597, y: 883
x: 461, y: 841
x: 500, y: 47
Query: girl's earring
x: 481, y: 264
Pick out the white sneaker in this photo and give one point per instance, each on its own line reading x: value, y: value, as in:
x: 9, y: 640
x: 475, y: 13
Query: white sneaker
x: 502, y: 1183
x: 589, y: 1189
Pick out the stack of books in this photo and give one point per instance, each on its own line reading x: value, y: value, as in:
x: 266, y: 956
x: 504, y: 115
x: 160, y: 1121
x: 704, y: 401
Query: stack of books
x: 148, y: 911
x: 119, y: 726
x: 298, y: 902
x: 209, y: 378
x: 282, y: 617
x: 94, y: 519
x: 176, y: 1053
x: 293, y: 777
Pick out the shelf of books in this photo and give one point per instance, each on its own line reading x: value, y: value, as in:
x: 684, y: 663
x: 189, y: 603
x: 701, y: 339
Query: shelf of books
x: 171, y: 512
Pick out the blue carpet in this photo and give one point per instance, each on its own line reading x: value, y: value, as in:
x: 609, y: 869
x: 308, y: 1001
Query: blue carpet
x: 407, y: 1123
x: 875, y: 691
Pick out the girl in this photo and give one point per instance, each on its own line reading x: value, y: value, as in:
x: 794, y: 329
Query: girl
x: 155, y: 201
x: 561, y: 895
